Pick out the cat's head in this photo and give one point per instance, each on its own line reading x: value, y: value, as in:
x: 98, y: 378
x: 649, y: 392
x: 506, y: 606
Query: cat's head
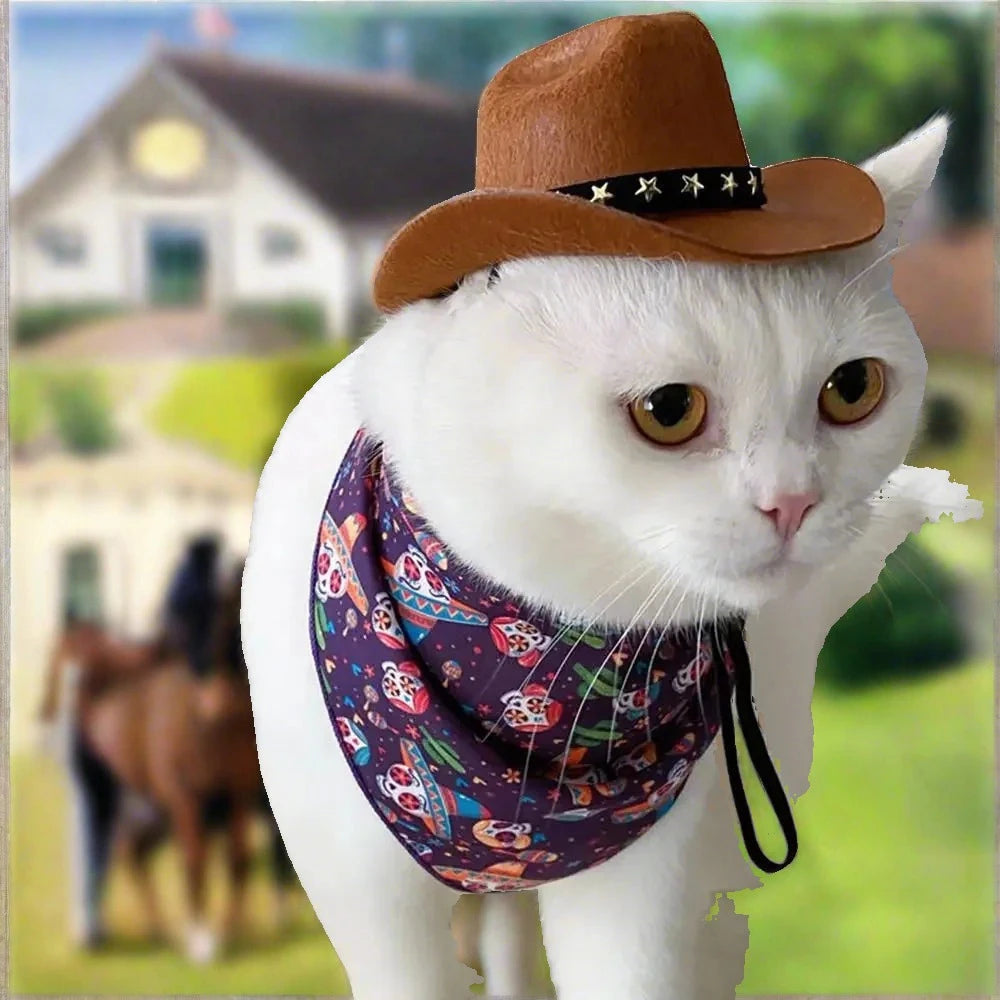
x: 505, y: 410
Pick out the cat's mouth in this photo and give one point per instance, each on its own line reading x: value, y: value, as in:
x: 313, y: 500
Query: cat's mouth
x: 769, y: 573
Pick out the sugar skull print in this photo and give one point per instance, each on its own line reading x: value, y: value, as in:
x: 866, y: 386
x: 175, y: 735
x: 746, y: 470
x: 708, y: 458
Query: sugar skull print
x: 530, y: 710
x: 415, y: 573
x: 502, y: 835
x: 689, y: 676
x: 331, y: 580
x: 634, y: 703
x: 335, y: 572
x: 504, y: 875
x: 353, y: 740
x: 385, y: 624
x: 660, y: 799
x: 403, y: 687
x: 584, y: 785
x: 520, y: 640
x: 637, y: 760
x: 403, y: 786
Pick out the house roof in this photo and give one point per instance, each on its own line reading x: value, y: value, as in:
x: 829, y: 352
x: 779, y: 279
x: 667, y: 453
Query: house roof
x: 364, y: 146
x: 946, y: 282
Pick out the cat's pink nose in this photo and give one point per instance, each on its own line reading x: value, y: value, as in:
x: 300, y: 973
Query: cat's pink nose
x: 788, y: 510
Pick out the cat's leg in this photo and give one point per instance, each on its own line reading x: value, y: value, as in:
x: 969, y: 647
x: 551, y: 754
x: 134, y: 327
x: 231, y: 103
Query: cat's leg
x: 387, y: 918
x: 389, y: 922
x: 627, y: 929
x: 510, y: 944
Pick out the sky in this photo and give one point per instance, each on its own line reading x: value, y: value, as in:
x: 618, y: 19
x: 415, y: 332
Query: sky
x: 68, y: 60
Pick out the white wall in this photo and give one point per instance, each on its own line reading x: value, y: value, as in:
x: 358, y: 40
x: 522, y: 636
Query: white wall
x: 84, y: 200
x: 140, y: 535
x: 321, y: 271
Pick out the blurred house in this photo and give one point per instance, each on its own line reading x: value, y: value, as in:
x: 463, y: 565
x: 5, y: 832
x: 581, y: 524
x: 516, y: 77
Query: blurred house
x: 946, y: 282
x: 101, y: 535
x: 214, y: 181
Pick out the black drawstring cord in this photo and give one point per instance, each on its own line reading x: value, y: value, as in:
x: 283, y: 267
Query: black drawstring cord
x: 755, y: 747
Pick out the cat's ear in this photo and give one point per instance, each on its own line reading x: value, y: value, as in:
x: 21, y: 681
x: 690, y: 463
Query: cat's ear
x: 904, y: 172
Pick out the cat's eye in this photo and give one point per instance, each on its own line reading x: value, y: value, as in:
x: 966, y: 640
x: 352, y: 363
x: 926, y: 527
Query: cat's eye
x: 852, y: 392
x: 671, y: 414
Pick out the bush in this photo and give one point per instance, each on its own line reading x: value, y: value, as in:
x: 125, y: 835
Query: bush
x: 303, y: 318
x: 26, y: 405
x: 944, y: 421
x: 82, y: 413
x: 908, y: 625
x: 235, y: 407
x: 32, y: 324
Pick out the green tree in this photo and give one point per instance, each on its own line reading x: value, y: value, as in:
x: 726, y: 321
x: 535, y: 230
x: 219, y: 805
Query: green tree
x: 908, y: 625
x: 848, y: 82
x: 842, y: 82
x: 82, y: 413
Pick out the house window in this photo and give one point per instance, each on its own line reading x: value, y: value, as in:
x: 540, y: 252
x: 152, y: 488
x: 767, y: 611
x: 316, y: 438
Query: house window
x: 280, y: 243
x: 81, y: 583
x: 62, y: 245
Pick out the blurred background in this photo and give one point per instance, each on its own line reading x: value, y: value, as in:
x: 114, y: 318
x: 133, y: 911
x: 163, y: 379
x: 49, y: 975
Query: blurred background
x: 199, y: 197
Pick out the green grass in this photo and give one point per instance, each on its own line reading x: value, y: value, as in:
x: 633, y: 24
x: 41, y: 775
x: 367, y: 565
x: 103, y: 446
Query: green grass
x: 893, y: 887
x: 892, y: 890
x: 43, y: 959
x: 235, y: 407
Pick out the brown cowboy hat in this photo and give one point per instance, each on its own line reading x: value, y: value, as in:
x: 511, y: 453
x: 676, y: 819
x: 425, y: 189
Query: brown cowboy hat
x: 620, y: 138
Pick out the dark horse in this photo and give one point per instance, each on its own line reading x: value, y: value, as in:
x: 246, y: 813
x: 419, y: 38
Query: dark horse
x: 146, y: 726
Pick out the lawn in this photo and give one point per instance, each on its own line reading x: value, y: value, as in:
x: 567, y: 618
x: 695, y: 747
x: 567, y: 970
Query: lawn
x: 892, y: 890
x: 235, y: 407
x: 43, y: 960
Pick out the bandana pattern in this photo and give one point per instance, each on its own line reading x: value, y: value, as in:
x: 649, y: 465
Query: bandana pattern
x: 504, y: 748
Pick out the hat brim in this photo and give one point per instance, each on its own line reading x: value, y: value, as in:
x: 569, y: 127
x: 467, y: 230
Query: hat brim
x: 813, y: 205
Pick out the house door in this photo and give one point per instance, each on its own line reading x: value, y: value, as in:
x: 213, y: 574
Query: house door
x: 81, y: 584
x: 177, y: 262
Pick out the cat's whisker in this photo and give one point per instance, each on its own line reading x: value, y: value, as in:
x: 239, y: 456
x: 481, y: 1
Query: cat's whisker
x: 655, y: 533
x: 628, y: 673
x: 897, y: 555
x: 654, y: 593
x: 556, y: 638
x: 891, y: 252
x: 697, y: 647
x: 881, y: 590
x: 656, y: 649
x: 583, y: 632
x: 531, y: 740
x: 715, y: 633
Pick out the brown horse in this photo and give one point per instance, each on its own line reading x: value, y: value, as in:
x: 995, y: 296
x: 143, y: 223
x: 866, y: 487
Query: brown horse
x: 173, y: 741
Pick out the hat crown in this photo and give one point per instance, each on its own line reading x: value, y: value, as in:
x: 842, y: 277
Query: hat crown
x: 624, y: 95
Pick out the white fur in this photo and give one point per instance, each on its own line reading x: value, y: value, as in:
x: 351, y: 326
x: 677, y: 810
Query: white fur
x: 501, y: 407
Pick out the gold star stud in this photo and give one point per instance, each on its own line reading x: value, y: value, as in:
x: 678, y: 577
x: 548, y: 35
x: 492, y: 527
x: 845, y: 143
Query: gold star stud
x: 692, y: 184
x: 647, y: 188
x: 729, y: 184
x: 601, y: 193
x: 753, y: 182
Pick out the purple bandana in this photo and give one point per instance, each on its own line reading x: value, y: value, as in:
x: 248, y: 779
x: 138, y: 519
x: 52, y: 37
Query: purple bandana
x: 502, y: 747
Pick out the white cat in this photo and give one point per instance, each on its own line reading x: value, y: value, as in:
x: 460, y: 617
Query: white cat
x: 500, y: 404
